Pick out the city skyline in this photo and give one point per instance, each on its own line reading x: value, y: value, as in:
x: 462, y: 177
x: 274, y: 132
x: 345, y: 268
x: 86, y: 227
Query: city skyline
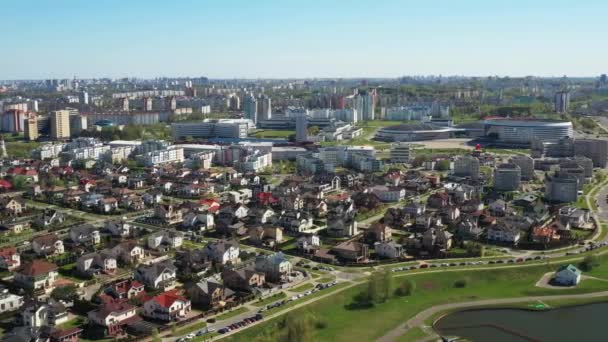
x: 232, y: 39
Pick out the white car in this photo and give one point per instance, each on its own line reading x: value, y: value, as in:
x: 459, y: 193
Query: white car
x: 190, y: 336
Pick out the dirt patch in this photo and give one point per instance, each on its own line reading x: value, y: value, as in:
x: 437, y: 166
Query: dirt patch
x: 428, y: 285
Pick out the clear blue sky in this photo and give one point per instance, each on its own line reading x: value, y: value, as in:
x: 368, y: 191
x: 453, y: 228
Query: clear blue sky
x: 305, y: 38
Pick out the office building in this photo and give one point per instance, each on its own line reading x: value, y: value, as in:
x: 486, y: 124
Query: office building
x: 210, y: 129
x: 507, y: 177
x: 562, y: 101
x: 60, y: 124
x: 301, y: 126
x: 526, y: 164
x: 31, y: 128
x: 401, y: 152
x: 264, y: 111
x: 346, y: 115
x: 561, y: 188
x: 250, y: 108
x: 78, y: 123
x: 594, y: 149
x: 234, y: 102
x: 466, y: 166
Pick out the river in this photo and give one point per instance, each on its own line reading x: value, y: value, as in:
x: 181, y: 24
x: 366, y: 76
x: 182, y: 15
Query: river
x: 575, y: 323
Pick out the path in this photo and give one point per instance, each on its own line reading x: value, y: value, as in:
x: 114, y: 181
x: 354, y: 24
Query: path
x: 421, y: 317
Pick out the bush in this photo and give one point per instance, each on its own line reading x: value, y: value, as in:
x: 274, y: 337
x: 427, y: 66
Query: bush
x: 320, y: 324
x: 460, y: 283
x: 405, y: 289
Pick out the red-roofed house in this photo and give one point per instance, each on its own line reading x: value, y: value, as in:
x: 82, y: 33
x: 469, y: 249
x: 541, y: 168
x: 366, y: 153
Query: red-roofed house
x: 212, y: 204
x: 544, y: 234
x: 5, y: 185
x: 265, y: 198
x: 9, y: 258
x: 37, y: 274
x: 167, y: 306
x: 126, y: 289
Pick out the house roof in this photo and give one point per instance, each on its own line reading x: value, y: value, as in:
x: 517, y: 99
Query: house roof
x: 106, y: 309
x: 570, y: 268
x: 167, y: 299
x: 36, y: 268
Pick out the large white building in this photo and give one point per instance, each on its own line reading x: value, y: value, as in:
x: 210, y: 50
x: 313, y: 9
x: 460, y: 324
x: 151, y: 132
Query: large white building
x: 169, y: 155
x: 525, y: 131
x: 561, y: 188
x: 210, y: 129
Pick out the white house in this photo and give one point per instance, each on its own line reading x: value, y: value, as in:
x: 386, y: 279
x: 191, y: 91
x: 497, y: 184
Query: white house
x: 389, y: 250
x: 167, y: 307
x: 167, y: 239
x: 224, y: 252
x: 161, y: 275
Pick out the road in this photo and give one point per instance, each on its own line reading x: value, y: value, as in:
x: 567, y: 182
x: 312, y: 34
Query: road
x: 421, y: 317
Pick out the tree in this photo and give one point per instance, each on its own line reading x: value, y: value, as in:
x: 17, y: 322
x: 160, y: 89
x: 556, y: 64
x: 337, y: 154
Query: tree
x: 19, y: 182
x: 173, y: 329
x: 313, y: 130
x: 65, y: 293
x: 156, y: 336
x: 590, y: 262
x: 299, y: 327
x: 406, y: 288
x: 443, y: 165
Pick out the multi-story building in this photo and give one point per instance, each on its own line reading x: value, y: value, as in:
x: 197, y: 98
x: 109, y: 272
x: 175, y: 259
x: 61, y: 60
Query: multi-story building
x: 525, y: 131
x: 466, y: 166
x: 264, y: 111
x: 170, y: 155
x: 507, y: 177
x: 31, y: 128
x: 250, y: 108
x: 561, y: 188
x: 301, y: 126
x: 562, y: 101
x: 60, y: 124
x: 210, y: 129
x: 526, y: 164
x: 595, y: 149
x: 401, y: 152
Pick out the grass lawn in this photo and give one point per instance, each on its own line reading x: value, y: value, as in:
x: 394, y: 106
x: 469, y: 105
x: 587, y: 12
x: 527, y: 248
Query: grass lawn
x: 232, y: 313
x: 76, y: 322
x: 273, y: 133
x: 270, y: 299
x: 191, y: 328
x: 326, y: 279
x: 302, y: 288
x: 338, y: 311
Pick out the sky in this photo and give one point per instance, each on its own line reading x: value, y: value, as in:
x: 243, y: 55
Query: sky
x: 301, y: 39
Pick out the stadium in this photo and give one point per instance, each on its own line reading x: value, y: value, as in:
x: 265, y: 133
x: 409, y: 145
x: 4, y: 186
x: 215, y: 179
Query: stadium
x: 521, y: 131
x: 414, y: 132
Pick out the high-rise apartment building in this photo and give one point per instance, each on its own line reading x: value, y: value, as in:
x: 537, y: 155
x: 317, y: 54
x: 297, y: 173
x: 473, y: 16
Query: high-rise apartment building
x: 562, y: 101
x: 507, y: 177
x: 401, y: 152
x: 264, y: 111
x: 31, y: 128
x: 301, y: 126
x: 60, y: 124
x: 250, y: 108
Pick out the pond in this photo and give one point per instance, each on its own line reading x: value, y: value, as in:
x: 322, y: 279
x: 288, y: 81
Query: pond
x: 575, y: 323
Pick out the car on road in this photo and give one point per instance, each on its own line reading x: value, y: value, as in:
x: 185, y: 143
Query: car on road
x: 190, y: 336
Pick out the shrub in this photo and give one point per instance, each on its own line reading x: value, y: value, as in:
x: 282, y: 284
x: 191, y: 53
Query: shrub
x: 589, y: 263
x: 460, y: 283
x: 406, y: 288
x: 320, y: 324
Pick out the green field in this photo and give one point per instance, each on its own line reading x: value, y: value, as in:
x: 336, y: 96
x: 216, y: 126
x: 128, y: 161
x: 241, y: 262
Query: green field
x: 338, y: 311
x: 302, y: 288
x: 273, y: 133
x: 232, y: 313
